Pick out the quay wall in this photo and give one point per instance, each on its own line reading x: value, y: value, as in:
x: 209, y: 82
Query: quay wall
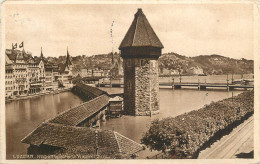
x: 7, y: 100
x: 186, y: 135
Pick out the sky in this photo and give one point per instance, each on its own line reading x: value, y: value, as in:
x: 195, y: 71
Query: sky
x: 186, y: 29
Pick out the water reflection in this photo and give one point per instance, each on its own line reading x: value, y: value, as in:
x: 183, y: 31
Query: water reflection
x: 25, y: 115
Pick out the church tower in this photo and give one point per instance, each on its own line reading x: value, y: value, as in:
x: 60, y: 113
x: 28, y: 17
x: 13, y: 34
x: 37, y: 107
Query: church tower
x: 68, y: 63
x: 140, y: 50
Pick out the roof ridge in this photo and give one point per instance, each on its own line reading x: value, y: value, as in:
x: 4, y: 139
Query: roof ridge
x: 134, y: 31
x: 116, y: 133
x: 146, y: 31
x: 75, y: 107
x: 119, y: 147
x: 22, y: 140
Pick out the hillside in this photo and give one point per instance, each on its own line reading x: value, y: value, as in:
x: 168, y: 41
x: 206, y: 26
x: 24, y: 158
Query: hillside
x: 211, y: 64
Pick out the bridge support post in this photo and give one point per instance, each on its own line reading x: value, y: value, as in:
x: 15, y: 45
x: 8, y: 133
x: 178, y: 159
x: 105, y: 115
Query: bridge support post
x: 227, y: 84
x: 203, y: 87
x: 172, y: 82
x: 177, y: 86
x: 199, y: 84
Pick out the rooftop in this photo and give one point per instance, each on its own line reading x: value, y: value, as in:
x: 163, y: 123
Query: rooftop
x: 76, y: 115
x: 81, y: 140
x: 7, y: 60
x: 140, y: 33
x: 112, y: 91
x: 94, y: 90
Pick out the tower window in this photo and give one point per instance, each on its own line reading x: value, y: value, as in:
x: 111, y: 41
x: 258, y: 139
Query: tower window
x: 142, y: 62
x: 129, y: 62
x: 129, y: 85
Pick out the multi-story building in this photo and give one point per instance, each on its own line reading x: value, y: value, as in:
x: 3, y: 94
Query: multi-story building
x: 33, y: 73
x: 9, y: 79
x: 20, y: 74
x: 55, y: 74
x: 36, y: 74
x: 49, y: 79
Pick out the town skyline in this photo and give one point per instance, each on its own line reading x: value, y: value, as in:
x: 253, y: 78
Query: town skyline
x: 222, y: 30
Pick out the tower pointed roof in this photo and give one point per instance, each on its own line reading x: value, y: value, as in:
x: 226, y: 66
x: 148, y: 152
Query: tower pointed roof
x: 140, y: 34
x: 68, y: 62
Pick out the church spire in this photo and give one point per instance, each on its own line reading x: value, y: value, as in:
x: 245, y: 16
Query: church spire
x: 41, y: 53
x: 68, y: 62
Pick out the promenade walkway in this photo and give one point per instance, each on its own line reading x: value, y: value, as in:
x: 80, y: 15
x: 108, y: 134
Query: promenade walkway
x: 238, y: 144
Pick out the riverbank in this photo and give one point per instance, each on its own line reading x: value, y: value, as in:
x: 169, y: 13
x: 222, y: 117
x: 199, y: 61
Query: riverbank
x: 186, y: 135
x: 7, y: 100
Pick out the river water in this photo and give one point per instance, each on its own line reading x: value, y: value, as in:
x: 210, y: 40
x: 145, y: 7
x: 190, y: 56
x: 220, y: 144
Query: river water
x: 23, y: 116
x: 172, y: 103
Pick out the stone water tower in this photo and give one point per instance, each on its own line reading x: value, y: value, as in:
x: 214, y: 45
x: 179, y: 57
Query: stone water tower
x: 140, y: 50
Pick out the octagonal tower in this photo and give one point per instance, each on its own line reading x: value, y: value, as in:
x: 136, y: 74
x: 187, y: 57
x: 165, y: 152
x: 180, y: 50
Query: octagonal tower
x: 140, y: 50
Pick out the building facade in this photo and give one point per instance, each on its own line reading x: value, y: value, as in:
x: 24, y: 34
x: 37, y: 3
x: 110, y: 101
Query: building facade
x: 140, y: 50
x: 27, y: 75
x: 9, y: 79
x: 21, y: 79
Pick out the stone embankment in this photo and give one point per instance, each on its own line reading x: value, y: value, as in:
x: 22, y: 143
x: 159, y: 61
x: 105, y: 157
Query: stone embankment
x: 29, y: 96
x: 186, y: 135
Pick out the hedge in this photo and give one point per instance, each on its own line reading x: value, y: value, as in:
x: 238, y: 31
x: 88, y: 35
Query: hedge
x: 186, y: 135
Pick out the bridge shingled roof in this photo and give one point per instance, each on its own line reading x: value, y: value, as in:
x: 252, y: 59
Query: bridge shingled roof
x: 76, y: 115
x: 82, y: 140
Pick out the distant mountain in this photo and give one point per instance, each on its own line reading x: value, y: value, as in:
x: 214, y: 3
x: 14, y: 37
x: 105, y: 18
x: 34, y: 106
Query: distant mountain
x: 211, y: 64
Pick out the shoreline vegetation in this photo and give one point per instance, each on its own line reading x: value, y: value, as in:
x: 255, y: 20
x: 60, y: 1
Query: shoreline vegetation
x: 184, y: 136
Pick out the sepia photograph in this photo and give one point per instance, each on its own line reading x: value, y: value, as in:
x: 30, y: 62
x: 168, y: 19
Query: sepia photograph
x: 130, y: 81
